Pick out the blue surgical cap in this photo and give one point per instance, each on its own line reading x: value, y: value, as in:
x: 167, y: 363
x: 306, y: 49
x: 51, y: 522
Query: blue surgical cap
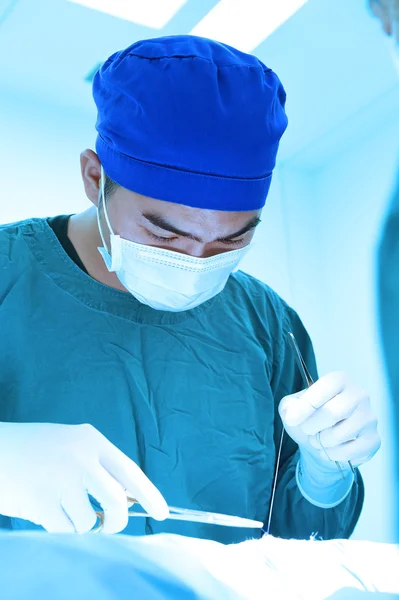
x: 189, y: 120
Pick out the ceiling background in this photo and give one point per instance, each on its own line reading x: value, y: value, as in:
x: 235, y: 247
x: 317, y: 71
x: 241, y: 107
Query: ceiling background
x: 48, y: 48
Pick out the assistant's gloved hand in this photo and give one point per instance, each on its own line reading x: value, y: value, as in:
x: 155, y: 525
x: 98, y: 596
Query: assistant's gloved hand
x: 331, y: 421
x: 48, y: 470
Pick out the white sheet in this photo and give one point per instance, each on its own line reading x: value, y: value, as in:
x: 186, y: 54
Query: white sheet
x: 294, y: 569
x: 40, y: 566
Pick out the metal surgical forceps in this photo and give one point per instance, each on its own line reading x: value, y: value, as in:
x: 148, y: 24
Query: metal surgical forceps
x: 309, y: 381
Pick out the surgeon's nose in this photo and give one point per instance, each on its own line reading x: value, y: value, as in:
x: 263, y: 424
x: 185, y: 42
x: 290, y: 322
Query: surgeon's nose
x: 201, y: 253
x: 200, y: 250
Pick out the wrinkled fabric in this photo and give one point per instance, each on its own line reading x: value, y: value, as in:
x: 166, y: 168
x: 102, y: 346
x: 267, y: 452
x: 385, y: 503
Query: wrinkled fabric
x: 179, y: 568
x: 191, y: 397
x: 39, y: 566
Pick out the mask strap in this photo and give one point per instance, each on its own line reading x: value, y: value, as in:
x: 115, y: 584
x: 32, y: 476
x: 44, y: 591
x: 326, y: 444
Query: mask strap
x: 101, y: 199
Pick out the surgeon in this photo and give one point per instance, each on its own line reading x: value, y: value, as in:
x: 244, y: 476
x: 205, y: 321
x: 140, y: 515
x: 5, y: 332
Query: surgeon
x: 135, y: 358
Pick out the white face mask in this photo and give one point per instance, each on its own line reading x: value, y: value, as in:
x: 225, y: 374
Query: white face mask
x: 163, y: 279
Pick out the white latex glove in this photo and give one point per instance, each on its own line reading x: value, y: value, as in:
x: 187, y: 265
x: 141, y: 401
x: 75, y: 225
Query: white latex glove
x: 48, y: 470
x: 339, y: 413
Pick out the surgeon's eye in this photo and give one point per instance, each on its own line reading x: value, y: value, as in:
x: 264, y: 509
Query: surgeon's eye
x: 164, y: 240
x: 233, y: 242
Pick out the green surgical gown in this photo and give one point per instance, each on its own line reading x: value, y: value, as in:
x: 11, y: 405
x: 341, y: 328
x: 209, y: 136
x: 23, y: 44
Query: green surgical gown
x: 191, y: 397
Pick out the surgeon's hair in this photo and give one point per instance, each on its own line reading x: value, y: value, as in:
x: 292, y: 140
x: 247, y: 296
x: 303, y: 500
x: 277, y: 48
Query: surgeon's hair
x: 110, y: 186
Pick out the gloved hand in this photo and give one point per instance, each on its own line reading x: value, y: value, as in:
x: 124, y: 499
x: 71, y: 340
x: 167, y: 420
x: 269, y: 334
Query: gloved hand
x: 48, y: 470
x: 331, y: 421
x: 339, y: 413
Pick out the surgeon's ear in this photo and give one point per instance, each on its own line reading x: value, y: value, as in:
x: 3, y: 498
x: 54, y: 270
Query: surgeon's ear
x: 90, y: 167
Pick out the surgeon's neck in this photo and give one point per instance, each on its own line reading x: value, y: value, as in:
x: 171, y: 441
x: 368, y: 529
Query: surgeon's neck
x: 85, y: 237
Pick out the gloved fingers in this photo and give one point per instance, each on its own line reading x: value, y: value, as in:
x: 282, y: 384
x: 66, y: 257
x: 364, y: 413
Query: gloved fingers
x: 362, y: 420
x: 54, y: 519
x: 296, y: 410
x: 137, y: 484
x: 290, y: 405
x: 366, y: 445
x: 338, y: 409
x: 76, y: 504
x: 112, y: 497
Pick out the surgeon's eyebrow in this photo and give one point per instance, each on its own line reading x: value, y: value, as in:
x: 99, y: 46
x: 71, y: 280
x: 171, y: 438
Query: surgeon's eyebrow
x: 162, y: 223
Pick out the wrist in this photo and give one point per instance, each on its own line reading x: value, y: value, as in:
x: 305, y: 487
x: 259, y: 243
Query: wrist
x: 322, y: 483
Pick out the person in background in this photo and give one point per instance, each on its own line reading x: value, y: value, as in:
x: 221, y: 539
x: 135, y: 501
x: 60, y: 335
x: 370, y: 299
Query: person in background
x: 387, y: 11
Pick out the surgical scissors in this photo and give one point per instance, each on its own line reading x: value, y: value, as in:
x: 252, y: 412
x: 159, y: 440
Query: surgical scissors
x: 184, y: 514
x: 309, y: 382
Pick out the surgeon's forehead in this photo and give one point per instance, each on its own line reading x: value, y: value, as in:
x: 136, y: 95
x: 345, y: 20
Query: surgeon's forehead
x: 194, y: 214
